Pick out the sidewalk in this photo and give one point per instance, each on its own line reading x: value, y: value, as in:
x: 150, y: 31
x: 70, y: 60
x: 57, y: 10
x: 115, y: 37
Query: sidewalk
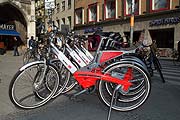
x: 9, y: 65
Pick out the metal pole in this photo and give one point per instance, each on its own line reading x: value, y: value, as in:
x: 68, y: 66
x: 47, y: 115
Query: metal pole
x: 132, y: 21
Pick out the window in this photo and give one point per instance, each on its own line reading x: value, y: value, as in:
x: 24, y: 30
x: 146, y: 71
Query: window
x: 158, y: 5
x: 63, y: 5
x: 63, y: 21
x: 92, y: 10
x: 58, y: 7
x: 79, y: 16
x: 69, y: 21
x: 128, y: 7
x: 58, y: 24
x: 110, y: 9
x: 69, y: 4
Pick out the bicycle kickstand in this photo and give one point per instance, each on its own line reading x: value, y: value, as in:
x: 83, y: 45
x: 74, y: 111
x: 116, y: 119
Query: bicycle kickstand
x: 114, y: 96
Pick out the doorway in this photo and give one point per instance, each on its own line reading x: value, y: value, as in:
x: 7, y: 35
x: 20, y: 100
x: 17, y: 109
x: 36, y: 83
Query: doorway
x: 164, y: 37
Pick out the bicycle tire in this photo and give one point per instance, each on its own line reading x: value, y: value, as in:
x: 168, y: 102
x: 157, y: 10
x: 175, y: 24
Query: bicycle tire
x: 134, y: 98
x: 29, y: 92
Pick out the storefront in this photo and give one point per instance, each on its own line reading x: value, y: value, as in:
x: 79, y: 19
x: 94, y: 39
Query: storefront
x: 163, y: 27
x: 7, y: 32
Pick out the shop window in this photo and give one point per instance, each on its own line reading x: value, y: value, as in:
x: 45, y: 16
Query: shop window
x: 69, y: 4
x: 128, y: 9
x: 110, y: 9
x: 92, y: 13
x: 63, y: 5
x: 79, y: 16
x: 159, y: 5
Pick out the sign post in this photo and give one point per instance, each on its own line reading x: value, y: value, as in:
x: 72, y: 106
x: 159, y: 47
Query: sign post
x: 132, y: 21
x: 49, y: 6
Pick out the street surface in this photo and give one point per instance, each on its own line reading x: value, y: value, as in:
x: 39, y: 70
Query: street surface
x: 163, y: 103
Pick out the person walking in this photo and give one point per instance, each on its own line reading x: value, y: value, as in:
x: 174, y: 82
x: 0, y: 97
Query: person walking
x: 32, y: 43
x: 33, y: 46
x: 16, y: 43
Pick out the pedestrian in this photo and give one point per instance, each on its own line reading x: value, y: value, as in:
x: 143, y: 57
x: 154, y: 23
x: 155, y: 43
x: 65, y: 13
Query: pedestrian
x: 33, y: 45
x: 16, y: 44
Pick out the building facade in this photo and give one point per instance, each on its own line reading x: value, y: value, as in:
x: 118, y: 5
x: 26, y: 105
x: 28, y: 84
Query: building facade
x: 20, y: 15
x: 159, y: 17
x: 63, y: 15
x: 40, y: 17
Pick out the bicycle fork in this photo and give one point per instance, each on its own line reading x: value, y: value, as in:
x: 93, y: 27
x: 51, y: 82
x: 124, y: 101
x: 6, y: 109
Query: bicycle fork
x: 37, y: 85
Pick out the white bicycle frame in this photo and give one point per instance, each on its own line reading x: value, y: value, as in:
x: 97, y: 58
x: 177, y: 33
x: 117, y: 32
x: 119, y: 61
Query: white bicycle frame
x: 87, y: 53
x: 82, y: 55
x: 75, y: 56
x: 65, y: 61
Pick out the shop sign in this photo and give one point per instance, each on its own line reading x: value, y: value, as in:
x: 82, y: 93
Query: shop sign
x: 165, y: 21
x: 91, y: 30
x: 7, y: 27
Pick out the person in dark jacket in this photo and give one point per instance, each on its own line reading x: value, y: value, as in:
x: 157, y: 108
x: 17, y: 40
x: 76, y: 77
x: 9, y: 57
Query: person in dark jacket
x: 33, y: 46
x: 32, y: 43
x: 16, y: 43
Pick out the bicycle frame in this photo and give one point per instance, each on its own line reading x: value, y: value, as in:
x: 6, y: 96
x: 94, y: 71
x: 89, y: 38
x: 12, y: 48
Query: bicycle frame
x: 88, y: 76
x: 75, y: 56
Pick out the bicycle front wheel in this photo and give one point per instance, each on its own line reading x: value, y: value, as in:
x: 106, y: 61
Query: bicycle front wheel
x: 30, y: 83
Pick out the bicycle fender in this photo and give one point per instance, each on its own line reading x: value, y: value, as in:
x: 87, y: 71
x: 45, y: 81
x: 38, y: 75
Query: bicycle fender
x: 136, y: 59
x: 29, y: 64
x: 125, y: 61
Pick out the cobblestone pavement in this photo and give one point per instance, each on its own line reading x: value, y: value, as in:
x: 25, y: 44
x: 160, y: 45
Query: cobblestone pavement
x: 163, y: 103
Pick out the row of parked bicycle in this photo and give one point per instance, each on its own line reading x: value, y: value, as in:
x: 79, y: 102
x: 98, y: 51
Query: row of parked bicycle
x: 120, y: 76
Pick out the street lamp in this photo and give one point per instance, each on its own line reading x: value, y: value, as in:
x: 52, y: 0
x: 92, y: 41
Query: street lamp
x: 132, y: 21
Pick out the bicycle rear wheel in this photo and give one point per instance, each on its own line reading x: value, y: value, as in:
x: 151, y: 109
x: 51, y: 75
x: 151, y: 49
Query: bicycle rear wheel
x: 28, y: 84
x: 134, y: 97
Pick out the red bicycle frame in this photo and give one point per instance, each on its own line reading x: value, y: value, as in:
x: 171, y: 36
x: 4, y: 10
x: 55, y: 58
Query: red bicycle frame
x: 89, y: 78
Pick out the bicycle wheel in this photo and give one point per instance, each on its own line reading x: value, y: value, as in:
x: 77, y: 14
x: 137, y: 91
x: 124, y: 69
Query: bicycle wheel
x: 30, y: 83
x: 26, y: 57
x: 134, y: 97
x: 30, y: 56
x: 66, y: 80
